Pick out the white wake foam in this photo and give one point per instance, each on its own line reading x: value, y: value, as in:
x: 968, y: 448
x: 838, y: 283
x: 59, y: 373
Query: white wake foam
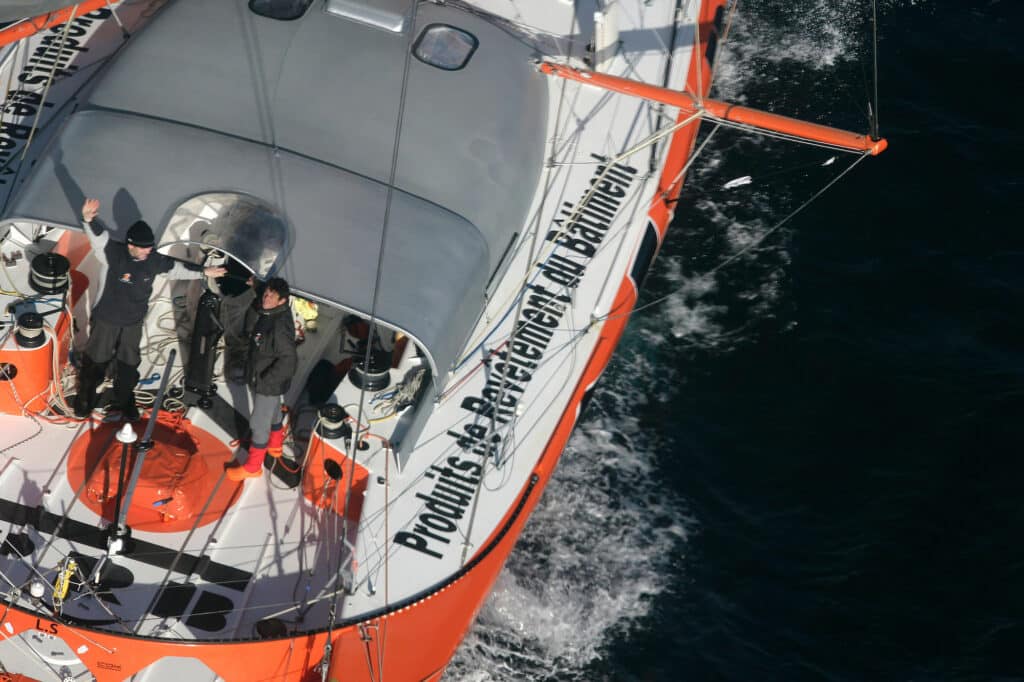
x: 594, y: 555
x: 815, y: 34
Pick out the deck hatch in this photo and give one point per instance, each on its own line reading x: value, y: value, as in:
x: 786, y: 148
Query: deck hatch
x: 385, y: 15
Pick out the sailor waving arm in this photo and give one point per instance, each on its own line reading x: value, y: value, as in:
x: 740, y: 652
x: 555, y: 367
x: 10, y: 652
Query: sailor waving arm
x: 98, y: 236
x: 98, y: 239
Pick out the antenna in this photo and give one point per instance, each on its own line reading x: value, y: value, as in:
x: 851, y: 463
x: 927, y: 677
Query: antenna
x: 873, y: 110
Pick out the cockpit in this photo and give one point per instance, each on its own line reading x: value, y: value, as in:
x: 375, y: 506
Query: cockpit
x: 362, y: 367
x: 357, y: 376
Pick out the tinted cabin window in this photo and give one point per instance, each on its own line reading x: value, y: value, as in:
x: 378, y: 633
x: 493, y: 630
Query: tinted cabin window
x: 244, y: 227
x: 280, y: 9
x: 445, y: 47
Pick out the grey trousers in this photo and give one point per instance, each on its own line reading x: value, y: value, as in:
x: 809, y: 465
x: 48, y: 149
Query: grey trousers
x: 266, y: 413
x: 107, y: 341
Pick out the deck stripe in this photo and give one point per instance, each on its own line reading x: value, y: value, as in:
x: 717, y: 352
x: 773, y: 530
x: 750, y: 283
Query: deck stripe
x: 141, y: 551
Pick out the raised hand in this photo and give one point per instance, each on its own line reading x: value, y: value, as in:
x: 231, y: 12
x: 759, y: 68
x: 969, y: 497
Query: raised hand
x: 89, y: 209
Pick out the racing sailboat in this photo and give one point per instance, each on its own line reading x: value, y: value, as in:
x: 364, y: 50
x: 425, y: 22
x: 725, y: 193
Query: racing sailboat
x: 464, y: 195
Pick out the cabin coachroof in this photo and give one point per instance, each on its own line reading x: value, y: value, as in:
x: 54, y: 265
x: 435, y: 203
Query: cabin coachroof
x: 303, y: 115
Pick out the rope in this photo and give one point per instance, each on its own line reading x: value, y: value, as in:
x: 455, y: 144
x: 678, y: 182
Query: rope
x: 49, y: 82
x: 699, y: 54
x: 749, y: 246
x: 779, y: 136
x: 14, y: 391
x: 13, y: 58
x: 725, y: 36
x: 874, y: 42
x: 521, y: 287
x: 544, y: 42
x: 689, y: 162
x: 372, y: 329
x: 528, y: 278
x: 519, y: 301
x: 184, y: 544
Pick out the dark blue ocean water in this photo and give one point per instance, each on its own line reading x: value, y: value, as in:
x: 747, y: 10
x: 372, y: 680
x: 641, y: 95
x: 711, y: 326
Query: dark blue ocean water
x: 806, y: 465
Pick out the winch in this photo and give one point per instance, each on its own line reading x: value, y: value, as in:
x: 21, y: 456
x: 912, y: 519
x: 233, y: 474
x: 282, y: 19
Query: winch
x: 49, y: 273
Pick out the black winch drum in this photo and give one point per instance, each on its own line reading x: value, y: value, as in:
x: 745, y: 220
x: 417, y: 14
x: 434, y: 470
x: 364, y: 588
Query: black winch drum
x: 375, y: 375
x: 29, y: 332
x: 332, y: 421
x: 48, y: 273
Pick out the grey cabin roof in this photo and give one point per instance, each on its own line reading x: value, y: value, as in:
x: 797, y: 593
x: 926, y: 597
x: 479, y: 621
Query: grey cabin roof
x: 210, y: 97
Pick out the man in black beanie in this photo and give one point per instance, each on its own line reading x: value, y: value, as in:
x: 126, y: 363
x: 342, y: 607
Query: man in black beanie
x: 122, y: 303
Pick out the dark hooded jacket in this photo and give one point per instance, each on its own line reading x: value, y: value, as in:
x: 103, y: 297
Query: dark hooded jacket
x: 263, y: 343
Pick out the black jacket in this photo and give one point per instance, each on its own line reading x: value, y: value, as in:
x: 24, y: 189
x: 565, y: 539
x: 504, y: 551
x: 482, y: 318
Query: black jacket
x: 268, y: 353
x: 128, y: 283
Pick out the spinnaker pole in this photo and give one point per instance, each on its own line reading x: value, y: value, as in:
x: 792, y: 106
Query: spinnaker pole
x: 724, y: 111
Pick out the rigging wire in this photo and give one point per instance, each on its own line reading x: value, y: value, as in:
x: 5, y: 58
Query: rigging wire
x: 56, y: 602
x: 689, y: 162
x: 542, y: 41
x: 530, y: 277
x: 580, y: 333
x: 699, y: 53
x: 542, y: 256
x: 11, y: 60
x: 777, y: 135
x: 191, y: 532
x: 49, y: 83
x: 749, y: 246
x: 355, y: 439
x: 721, y: 41
x: 874, y: 50
x: 546, y: 251
x: 519, y: 303
x: 659, y: 108
x: 723, y: 264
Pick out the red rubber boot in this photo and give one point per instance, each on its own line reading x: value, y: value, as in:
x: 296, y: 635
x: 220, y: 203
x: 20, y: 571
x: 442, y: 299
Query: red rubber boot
x: 276, y: 441
x: 253, y: 467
